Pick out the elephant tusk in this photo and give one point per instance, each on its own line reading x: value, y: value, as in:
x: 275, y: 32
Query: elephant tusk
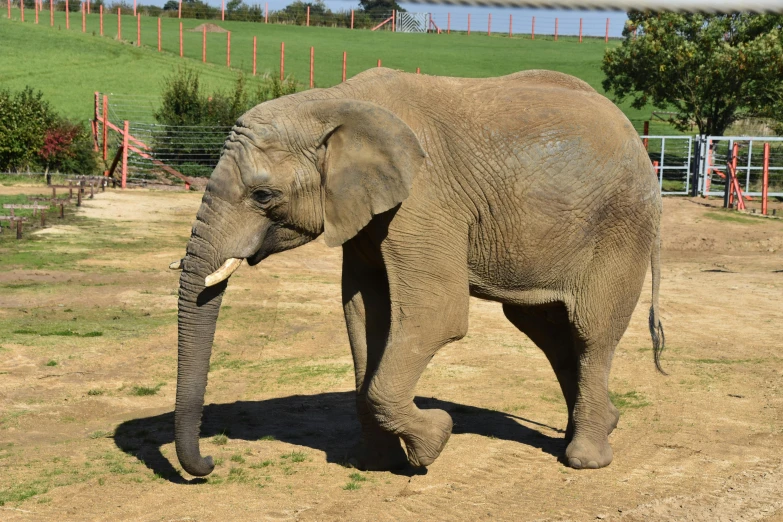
x: 176, y: 265
x: 223, y: 273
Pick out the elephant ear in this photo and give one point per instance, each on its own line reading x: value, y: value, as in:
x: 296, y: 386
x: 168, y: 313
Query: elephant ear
x: 368, y: 158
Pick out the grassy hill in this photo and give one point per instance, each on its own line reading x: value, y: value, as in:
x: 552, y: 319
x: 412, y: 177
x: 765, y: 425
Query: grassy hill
x: 68, y: 65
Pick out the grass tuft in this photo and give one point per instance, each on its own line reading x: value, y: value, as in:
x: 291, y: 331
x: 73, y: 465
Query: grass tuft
x: 143, y: 391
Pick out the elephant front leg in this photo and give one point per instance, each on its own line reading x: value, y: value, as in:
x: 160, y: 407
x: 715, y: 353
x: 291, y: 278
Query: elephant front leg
x: 429, y: 310
x: 366, y: 308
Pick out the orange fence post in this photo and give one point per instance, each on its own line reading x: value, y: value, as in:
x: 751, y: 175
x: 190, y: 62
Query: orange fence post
x: 204, y: 44
x: 138, y: 30
x: 606, y: 37
x: 282, y: 60
x: 394, y: 20
x: 448, y: 25
x: 119, y: 23
x: 489, y: 24
x: 510, y: 26
x: 100, y: 11
x: 67, y: 16
x: 124, y: 153
x: 84, y: 17
x: 228, y: 49
x: 105, y: 130
x: 180, y: 40
x: 266, y: 13
x: 9, y: 8
x: 655, y: 168
x: 21, y: 9
x: 158, y: 34
x: 468, y: 24
x: 646, y: 133
x: 418, y: 70
x: 580, y: 30
x: 345, y: 60
x: 533, y: 29
x: 765, y: 180
x: 379, y: 62
x: 556, y: 29
x: 254, y: 56
x: 731, y: 176
x: 312, y: 64
x: 223, y: 10
x: 51, y: 11
x: 351, y: 18
x: 307, y: 23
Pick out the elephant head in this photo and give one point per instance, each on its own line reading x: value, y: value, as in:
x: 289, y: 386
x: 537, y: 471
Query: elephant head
x: 290, y: 170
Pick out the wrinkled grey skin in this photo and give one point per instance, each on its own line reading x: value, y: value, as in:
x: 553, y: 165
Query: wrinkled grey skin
x: 531, y: 190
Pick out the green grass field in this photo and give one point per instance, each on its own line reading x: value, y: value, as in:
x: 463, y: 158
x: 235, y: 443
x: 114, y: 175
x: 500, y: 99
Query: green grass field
x: 68, y: 65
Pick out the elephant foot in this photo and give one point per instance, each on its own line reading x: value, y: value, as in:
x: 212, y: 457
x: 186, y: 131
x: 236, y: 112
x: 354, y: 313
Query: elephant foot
x: 427, y: 439
x: 378, y: 453
x: 583, y: 453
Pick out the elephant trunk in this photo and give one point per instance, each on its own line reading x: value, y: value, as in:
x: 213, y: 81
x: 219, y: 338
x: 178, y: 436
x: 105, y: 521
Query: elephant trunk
x: 198, y: 311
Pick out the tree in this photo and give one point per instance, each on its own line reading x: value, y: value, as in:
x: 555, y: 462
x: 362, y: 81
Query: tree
x: 379, y: 6
x: 712, y: 70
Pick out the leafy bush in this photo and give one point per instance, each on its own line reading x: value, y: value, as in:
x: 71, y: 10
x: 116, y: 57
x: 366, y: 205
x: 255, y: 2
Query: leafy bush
x: 186, y: 105
x: 34, y: 137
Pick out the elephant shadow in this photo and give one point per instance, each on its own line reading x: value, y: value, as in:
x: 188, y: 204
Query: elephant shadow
x: 326, y: 422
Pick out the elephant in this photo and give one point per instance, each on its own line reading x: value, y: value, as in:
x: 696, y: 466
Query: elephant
x: 531, y: 190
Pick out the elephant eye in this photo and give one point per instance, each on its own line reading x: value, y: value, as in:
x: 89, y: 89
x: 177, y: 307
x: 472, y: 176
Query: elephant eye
x: 262, y: 196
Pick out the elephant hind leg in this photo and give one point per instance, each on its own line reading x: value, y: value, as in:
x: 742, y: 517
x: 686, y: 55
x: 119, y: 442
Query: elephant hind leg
x: 550, y: 327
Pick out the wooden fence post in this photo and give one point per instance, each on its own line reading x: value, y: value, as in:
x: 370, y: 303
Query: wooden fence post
x: 105, y: 118
x: 646, y: 133
x: 510, y: 26
x: 345, y: 59
x: 312, y: 64
x: 51, y: 12
x: 18, y: 229
x: 580, y: 30
x: 765, y: 180
x: 266, y: 13
x: 448, y: 24
x: 21, y: 9
x: 282, y: 61
x: 489, y: 24
x: 228, y: 49
x: 606, y: 37
x: 556, y: 20
x: 468, y: 24
x: 67, y: 16
x: 100, y: 11
x: 254, y: 56
x: 180, y: 40
x: 307, y: 23
x: 204, y: 44
x: 158, y: 34
x: 95, y: 120
x: 533, y: 29
x: 351, y: 18
x: 222, y: 10
x: 394, y: 20
x: 125, y: 153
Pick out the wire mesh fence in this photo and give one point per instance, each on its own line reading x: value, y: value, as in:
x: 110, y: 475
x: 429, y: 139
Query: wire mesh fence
x: 162, y: 150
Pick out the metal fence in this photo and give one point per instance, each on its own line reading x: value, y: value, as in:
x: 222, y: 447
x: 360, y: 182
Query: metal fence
x: 672, y: 155
x: 715, y: 153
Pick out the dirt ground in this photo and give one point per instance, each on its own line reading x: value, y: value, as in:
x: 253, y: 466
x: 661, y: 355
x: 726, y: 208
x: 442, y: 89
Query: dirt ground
x: 88, y: 375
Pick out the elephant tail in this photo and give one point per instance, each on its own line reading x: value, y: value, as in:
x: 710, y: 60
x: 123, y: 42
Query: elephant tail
x: 656, y: 327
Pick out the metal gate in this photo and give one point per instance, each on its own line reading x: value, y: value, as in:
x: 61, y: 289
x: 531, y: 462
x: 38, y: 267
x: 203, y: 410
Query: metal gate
x: 672, y: 157
x: 715, y: 152
x: 412, y: 22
